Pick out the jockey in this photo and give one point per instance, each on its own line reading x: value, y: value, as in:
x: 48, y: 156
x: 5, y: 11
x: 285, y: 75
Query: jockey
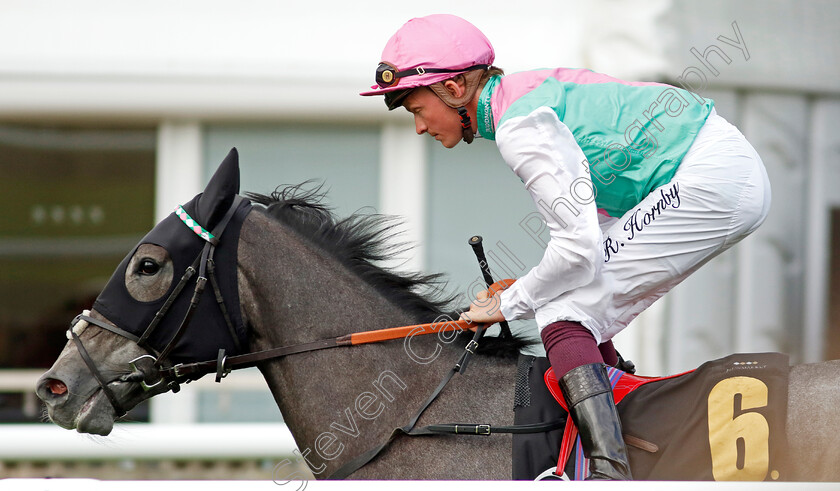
x: 639, y: 184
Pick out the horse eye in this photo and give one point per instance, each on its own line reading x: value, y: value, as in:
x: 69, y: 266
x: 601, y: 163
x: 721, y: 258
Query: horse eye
x: 148, y: 267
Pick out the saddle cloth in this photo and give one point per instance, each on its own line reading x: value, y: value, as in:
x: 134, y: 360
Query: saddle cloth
x: 723, y: 421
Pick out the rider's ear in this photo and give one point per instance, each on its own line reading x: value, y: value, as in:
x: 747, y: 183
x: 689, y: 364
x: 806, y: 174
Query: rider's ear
x: 456, y: 87
x: 220, y: 191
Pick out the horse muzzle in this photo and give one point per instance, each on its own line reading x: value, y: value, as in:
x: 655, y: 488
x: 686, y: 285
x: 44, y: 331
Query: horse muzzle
x: 69, y: 408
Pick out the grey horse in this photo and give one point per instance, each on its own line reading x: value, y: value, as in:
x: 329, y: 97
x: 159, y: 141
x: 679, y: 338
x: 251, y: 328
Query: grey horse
x: 302, y: 276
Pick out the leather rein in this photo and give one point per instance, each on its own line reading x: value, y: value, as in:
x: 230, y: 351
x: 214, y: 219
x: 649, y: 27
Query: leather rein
x: 172, y: 375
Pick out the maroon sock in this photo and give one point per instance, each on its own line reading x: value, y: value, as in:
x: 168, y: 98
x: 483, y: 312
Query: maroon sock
x: 569, y: 345
x: 608, y: 353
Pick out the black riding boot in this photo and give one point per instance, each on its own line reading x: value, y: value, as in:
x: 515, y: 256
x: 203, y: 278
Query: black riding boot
x: 588, y: 394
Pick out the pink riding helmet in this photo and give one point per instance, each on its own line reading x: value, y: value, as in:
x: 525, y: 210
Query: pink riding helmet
x: 430, y: 49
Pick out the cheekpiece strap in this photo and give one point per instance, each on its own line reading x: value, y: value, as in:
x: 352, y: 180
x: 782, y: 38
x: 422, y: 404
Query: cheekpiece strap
x: 194, y: 226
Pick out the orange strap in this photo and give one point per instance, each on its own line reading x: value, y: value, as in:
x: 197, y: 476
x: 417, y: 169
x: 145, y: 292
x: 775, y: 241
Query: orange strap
x: 499, y: 286
x: 408, y: 331
x: 420, y: 329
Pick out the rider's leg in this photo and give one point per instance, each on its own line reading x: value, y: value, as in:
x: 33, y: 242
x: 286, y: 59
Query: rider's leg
x: 614, y: 359
x: 608, y: 353
x: 577, y: 364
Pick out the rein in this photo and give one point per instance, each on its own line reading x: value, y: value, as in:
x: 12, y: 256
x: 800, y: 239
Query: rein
x: 172, y: 376
x: 223, y: 365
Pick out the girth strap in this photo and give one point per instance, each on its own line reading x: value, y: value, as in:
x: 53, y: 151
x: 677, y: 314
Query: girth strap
x: 451, y: 428
x: 486, y: 429
x: 361, y: 460
x: 460, y: 367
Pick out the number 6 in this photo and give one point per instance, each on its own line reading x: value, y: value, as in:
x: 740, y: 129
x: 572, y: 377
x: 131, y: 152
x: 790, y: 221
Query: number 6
x: 726, y: 429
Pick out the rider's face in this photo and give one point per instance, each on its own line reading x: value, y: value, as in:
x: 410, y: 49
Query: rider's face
x: 434, y: 117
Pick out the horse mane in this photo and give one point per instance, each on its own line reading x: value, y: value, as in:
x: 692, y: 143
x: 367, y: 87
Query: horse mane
x: 361, y: 241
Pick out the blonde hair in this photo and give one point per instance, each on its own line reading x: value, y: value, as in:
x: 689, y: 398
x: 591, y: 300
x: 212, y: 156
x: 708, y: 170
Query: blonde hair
x: 489, y: 73
x: 473, y: 80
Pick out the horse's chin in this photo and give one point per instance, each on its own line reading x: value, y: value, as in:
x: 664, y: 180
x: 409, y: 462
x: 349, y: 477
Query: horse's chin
x: 96, y: 416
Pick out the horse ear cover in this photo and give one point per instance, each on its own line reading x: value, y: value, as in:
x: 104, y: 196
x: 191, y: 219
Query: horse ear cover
x: 220, y: 191
x: 208, y: 331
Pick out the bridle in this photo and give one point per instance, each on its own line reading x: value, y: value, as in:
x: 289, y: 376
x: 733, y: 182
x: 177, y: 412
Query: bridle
x: 205, y: 267
x: 154, y: 371
x: 169, y: 376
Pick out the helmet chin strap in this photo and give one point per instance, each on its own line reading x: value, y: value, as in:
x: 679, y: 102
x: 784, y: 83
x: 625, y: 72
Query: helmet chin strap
x: 466, y: 124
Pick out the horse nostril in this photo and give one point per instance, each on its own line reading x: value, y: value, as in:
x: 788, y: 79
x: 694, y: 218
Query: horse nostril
x: 51, y: 388
x: 56, y: 387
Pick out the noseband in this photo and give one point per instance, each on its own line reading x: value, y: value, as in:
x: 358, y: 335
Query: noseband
x: 143, y: 367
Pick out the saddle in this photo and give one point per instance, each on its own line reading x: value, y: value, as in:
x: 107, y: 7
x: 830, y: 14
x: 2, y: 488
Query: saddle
x: 724, y: 420
x: 623, y: 383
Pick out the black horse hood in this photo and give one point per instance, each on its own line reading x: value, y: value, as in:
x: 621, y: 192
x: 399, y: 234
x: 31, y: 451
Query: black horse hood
x: 208, y: 331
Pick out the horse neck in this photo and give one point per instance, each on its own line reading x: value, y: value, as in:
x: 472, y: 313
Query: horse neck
x: 291, y: 292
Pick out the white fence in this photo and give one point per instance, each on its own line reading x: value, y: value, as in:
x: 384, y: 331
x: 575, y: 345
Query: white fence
x: 172, y: 432
x: 147, y: 441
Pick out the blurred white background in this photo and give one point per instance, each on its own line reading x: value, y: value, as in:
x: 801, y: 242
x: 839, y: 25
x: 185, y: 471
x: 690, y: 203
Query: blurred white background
x: 142, y: 100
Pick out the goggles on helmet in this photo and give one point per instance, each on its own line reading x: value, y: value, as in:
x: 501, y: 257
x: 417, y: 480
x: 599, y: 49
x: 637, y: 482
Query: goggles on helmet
x: 387, y: 75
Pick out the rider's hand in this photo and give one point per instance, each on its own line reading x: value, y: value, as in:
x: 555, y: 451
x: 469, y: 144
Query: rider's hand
x: 484, y: 310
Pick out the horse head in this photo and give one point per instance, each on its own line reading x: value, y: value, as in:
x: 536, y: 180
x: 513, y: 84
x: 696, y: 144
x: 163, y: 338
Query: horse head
x: 180, y: 278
